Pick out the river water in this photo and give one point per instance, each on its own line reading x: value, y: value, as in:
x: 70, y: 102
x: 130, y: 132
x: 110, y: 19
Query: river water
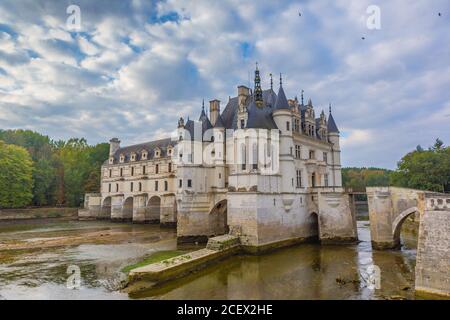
x: 35, y: 256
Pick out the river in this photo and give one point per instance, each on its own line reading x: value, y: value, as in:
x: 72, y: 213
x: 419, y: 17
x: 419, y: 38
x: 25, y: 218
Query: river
x: 35, y: 256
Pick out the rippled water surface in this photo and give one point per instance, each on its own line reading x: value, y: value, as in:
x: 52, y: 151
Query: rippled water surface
x: 101, y: 249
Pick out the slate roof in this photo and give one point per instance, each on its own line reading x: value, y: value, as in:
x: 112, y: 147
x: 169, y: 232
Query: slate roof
x: 332, y: 127
x: 281, y: 102
x: 150, y: 147
x: 229, y: 114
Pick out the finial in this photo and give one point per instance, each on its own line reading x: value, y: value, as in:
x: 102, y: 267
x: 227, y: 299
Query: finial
x: 271, y: 82
x: 330, y: 107
x: 302, y: 96
x: 281, y: 80
x: 203, y: 104
x: 256, y: 65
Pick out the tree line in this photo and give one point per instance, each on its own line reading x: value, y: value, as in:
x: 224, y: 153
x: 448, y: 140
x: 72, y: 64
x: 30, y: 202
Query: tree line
x: 38, y: 171
x: 423, y: 169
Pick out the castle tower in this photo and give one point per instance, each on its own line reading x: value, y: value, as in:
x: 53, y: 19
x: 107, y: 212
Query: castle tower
x: 214, y: 110
x: 333, y: 137
x: 282, y: 115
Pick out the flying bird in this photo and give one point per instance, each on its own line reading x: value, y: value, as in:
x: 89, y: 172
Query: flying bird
x: 439, y: 14
x: 363, y: 38
x: 299, y: 14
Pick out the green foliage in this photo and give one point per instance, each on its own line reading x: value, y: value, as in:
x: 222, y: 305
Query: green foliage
x: 360, y: 178
x: 424, y: 169
x: 16, y: 181
x: 62, y: 170
x: 155, y: 257
x: 40, y: 150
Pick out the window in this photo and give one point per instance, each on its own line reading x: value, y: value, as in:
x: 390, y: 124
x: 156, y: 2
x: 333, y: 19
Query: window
x: 140, y: 186
x: 144, y: 155
x: 325, y: 178
x: 143, y: 169
x: 131, y: 186
x: 288, y: 124
x: 299, y: 179
x: 132, y: 171
x: 189, y: 183
x: 170, y: 167
x: 325, y: 157
x: 297, y: 152
x: 117, y: 187
x: 122, y: 158
x: 313, y: 180
x: 220, y: 176
x: 290, y: 150
x: 180, y: 183
x: 121, y: 172
x: 242, y: 123
x: 180, y: 138
x: 110, y: 173
x: 133, y: 157
x: 311, y: 154
x: 156, y: 185
x: 166, y: 186
x: 157, y: 168
x: 109, y: 187
x: 255, y: 157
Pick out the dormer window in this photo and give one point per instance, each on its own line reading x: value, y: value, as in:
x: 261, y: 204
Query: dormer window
x: 122, y: 158
x: 133, y: 157
x: 144, y: 155
x: 111, y: 160
x: 157, y: 153
x: 169, y: 150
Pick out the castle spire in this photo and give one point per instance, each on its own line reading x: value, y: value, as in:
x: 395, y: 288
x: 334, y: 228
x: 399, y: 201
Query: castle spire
x: 271, y: 82
x: 258, y: 91
x: 281, y: 80
x: 302, y: 96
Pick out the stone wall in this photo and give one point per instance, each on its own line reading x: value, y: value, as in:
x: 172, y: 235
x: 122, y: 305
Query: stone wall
x: 337, y: 222
x: 433, y: 251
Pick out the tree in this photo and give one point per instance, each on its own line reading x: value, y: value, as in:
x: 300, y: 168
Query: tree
x: 40, y: 150
x: 16, y: 180
x: 360, y: 178
x: 425, y: 169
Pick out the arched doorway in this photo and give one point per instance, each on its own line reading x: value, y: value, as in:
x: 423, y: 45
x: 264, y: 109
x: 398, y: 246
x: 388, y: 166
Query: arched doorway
x: 127, y: 209
x: 397, y: 225
x: 105, y: 212
x: 218, y: 218
x: 314, y: 226
x: 154, y: 209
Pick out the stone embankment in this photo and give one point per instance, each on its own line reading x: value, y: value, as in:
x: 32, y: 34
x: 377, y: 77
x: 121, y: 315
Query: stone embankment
x: 157, y: 273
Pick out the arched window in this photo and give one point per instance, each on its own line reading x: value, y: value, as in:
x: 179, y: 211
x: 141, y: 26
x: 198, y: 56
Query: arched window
x: 157, y: 168
x: 170, y: 166
x: 140, y: 186
x: 117, y: 187
x: 166, y: 185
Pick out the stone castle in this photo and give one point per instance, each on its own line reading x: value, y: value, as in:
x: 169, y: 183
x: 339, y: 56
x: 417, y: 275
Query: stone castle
x: 265, y: 169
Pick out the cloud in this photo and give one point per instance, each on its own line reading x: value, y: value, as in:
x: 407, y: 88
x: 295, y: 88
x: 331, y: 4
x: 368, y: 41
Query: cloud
x: 136, y: 66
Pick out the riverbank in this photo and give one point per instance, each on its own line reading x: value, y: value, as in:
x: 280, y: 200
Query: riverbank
x: 37, y: 213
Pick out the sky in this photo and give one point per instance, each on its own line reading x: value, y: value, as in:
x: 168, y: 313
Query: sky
x: 132, y: 68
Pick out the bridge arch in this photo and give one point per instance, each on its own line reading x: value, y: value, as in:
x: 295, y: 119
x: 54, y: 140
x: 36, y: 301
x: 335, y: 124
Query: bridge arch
x: 218, y: 218
x: 154, y: 208
x: 314, y: 225
x: 398, y: 222
x: 106, y: 208
x: 127, y: 209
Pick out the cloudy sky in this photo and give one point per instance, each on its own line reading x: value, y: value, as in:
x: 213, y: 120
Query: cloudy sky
x: 133, y: 68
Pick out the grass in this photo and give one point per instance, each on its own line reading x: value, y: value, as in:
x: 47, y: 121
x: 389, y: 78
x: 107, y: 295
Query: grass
x: 155, y: 257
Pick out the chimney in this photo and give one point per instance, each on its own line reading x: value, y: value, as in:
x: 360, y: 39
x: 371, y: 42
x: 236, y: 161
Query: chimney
x: 243, y: 93
x: 114, y: 145
x: 214, y: 111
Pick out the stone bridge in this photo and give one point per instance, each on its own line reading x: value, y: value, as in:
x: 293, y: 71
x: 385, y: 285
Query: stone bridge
x: 388, y: 209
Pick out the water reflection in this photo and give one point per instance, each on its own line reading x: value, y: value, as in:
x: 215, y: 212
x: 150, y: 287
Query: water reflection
x: 308, y: 271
